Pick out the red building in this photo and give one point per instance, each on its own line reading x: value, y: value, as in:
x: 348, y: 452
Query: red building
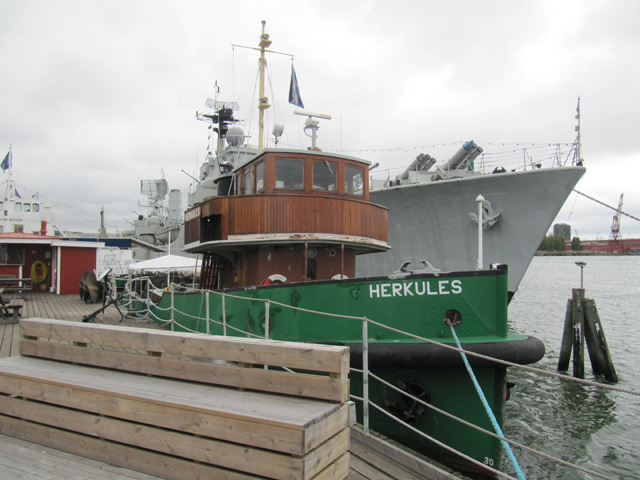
x: 51, y: 263
x: 626, y: 245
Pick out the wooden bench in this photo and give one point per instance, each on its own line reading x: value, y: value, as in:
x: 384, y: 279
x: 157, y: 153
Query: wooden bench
x: 11, y: 310
x: 179, y: 405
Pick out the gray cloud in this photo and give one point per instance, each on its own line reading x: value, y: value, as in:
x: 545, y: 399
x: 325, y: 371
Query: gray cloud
x: 97, y: 96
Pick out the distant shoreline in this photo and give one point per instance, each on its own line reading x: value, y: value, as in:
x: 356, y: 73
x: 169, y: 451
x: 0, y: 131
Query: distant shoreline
x: 571, y: 253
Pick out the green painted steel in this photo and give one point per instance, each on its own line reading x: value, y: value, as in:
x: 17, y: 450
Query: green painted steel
x: 416, y: 305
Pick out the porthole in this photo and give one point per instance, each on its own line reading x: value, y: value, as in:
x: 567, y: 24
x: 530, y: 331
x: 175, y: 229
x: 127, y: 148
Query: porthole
x: 454, y: 317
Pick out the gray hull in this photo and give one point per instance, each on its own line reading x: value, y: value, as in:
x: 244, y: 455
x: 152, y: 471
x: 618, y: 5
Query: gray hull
x: 431, y: 221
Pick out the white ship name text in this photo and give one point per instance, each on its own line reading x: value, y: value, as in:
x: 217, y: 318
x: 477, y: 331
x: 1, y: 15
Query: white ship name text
x: 410, y: 289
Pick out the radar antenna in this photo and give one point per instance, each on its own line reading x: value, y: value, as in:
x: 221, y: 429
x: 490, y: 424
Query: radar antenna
x: 312, y: 125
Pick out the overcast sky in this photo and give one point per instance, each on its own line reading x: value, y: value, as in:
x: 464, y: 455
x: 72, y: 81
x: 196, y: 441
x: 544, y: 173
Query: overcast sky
x: 99, y: 95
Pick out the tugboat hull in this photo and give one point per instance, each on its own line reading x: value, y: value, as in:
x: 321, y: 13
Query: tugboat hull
x: 332, y: 312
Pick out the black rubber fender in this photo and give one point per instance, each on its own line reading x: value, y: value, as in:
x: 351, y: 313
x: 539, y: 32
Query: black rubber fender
x: 412, y: 355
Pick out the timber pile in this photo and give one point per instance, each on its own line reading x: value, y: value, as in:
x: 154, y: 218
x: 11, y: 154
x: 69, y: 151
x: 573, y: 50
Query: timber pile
x: 179, y: 405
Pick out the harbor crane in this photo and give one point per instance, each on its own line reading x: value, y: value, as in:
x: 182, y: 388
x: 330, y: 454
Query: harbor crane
x: 615, y: 225
x: 615, y: 239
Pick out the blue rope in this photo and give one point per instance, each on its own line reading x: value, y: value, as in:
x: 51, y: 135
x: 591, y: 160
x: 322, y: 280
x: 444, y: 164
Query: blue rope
x: 492, y: 417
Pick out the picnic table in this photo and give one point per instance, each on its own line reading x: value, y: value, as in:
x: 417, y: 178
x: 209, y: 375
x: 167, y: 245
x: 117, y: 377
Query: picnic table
x: 10, y: 283
x: 10, y: 310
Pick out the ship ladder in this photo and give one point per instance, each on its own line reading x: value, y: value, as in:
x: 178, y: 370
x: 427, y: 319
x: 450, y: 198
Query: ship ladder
x: 210, y: 272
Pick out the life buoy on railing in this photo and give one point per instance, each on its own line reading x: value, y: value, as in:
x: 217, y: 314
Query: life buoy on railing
x: 38, y: 272
x: 275, y: 278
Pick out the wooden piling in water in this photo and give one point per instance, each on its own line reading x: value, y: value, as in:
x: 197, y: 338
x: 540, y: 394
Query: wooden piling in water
x: 578, y: 332
x: 582, y: 322
x: 597, y: 343
x: 567, y: 340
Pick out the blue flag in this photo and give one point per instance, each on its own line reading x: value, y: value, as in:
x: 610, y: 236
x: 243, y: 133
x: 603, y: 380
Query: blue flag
x: 6, y: 163
x: 294, y: 90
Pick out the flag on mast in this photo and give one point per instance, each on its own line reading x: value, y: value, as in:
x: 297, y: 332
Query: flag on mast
x: 6, y: 163
x: 294, y: 90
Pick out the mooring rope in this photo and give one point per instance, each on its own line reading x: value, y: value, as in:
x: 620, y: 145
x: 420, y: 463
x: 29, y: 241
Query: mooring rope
x: 486, y: 406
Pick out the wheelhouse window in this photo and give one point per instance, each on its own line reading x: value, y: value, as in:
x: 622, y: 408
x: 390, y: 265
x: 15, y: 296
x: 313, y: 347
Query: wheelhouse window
x: 324, y: 176
x: 247, y: 182
x: 27, y: 207
x: 36, y: 207
x: 18, y: 207
x: 260, y: 187
x: 289, y: 174
x: 353, y: 180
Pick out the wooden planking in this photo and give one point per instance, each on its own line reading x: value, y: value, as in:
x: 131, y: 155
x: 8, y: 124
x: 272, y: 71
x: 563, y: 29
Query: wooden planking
x: 275, y: 381
x: 145, y: 461
x: 71, y: 307
x: 338, y: 470
x: 28, y: 461
x: 199, y: 449
x: 244, y: 417
x: 287, y: 411
x: 264, y: 214
x: 393, y: 459
x: 9, y: 340
x: 255, y: 351
x: 365, y: 461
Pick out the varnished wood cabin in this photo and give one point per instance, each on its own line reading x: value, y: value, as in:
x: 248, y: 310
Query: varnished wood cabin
x: 289, y: 216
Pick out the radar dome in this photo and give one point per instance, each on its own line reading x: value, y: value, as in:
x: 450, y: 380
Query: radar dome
x: 235, y: 136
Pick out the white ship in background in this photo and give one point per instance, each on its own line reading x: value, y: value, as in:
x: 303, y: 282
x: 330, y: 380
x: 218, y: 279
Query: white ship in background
x: 23, y: 214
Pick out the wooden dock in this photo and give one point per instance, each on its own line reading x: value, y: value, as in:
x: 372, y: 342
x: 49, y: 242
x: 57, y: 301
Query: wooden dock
x: 371, y: 457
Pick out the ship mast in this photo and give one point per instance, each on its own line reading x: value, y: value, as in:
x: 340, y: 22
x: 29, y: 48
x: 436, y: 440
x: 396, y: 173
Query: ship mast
x: 8, y: 184
x: 578, y: 158
x: 263, y: 100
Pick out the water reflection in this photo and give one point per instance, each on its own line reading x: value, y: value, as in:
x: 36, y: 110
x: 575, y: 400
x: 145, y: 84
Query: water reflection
x: 594, y: 428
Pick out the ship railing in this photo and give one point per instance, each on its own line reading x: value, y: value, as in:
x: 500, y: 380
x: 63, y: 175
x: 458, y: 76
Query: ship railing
x: 149, y: 309
x: 497, y: 156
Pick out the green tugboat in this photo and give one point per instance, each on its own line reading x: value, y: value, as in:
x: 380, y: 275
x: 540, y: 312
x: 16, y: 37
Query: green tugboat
x: 282, y: 248
x: 279, y: 245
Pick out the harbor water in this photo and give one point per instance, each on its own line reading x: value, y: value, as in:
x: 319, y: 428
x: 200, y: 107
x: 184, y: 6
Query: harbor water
x: 586, y: 425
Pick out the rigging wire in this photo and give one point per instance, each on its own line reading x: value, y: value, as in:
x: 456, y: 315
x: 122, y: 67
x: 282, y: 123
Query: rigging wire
x: 608, y: 206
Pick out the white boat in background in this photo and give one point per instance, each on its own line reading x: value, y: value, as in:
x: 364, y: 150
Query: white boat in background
x: 20, y: 214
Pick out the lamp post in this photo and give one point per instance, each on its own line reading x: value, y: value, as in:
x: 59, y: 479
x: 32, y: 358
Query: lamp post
x: 581, y: 265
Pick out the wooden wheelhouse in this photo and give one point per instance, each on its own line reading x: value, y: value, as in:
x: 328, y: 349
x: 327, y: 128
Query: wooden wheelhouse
x: 286, y: 216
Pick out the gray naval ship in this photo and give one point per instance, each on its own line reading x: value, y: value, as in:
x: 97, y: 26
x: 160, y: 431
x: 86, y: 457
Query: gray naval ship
x: 433, y: 214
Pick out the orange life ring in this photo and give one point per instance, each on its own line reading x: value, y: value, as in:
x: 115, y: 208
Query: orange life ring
x: 275, y: 278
